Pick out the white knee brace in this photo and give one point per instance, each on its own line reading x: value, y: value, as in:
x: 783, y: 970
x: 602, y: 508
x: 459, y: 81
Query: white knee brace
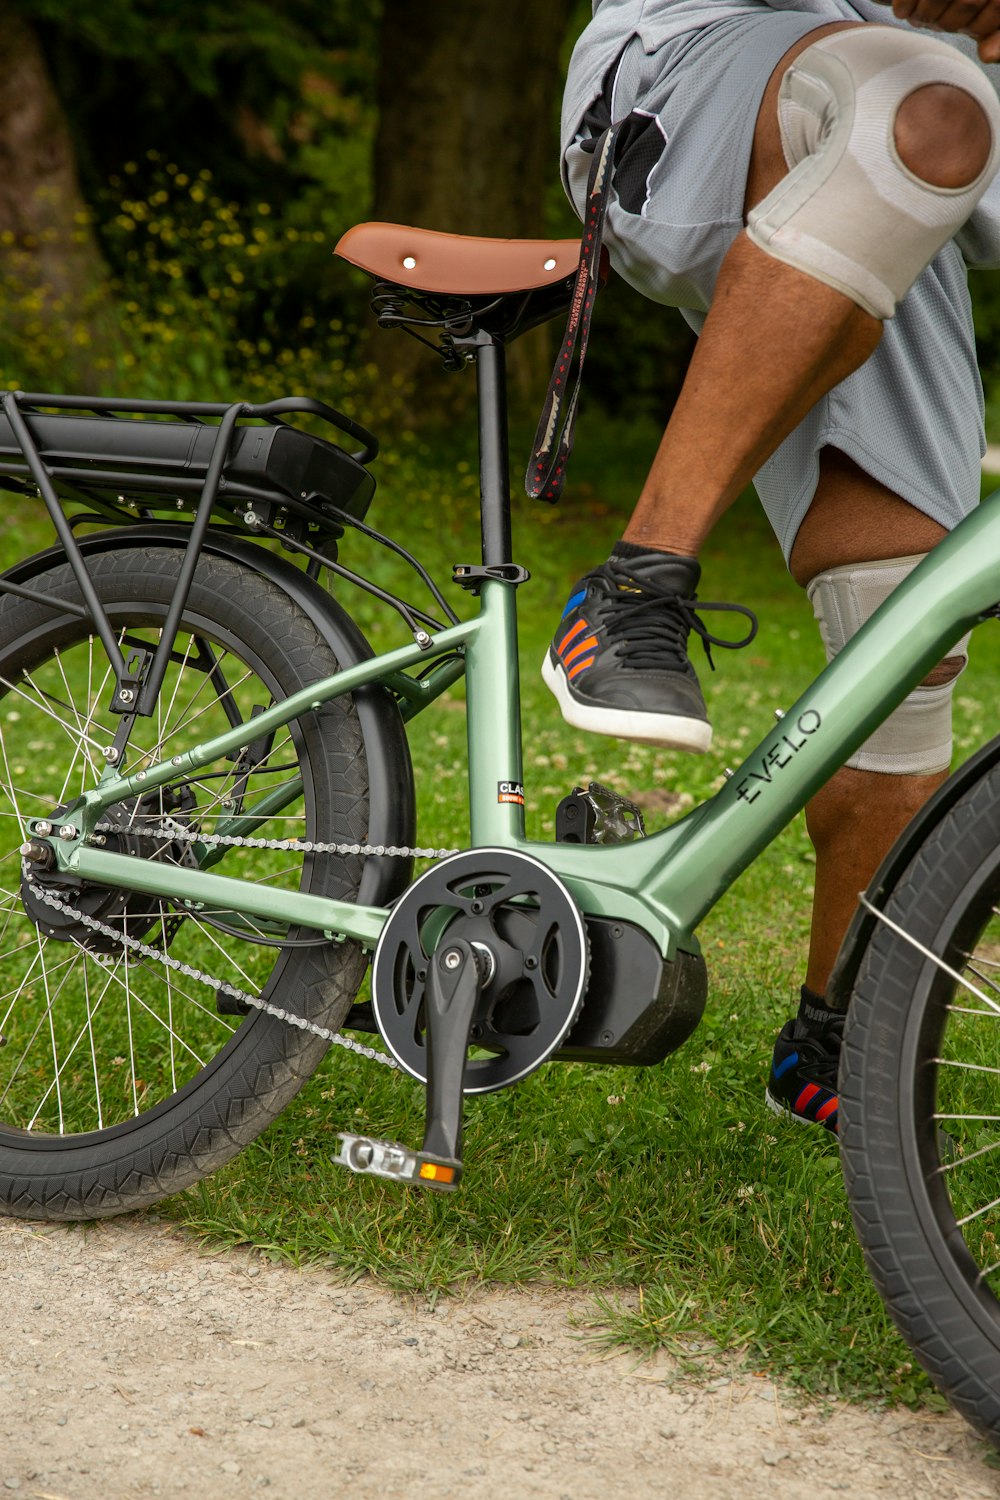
x: 850, y: 213
x: 915, y: 739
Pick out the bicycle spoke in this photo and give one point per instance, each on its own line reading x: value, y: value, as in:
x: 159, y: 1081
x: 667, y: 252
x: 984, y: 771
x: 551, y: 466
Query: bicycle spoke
x: 66, y: 1060
x: 977, y: 1213
x: 154, y: 1015
x: 938, y: 1117
x: 168, y: 979
x: 82, y: 752
x: 185, y: 723
x: 45, y: 1016
x: 15, y: 994
x: 164, y: 712
x: 984, y: 978
x: 207, y: 933
x: 926, y: 952
x: 947, y: 1062
x: 37, y: 702
x: 961, y: 1161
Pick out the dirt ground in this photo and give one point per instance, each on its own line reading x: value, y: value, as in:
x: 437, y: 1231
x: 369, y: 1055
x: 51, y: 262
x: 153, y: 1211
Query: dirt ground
x: 136, y: 1365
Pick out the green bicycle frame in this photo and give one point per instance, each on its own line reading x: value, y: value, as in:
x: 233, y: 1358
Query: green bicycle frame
x: 665, y: 883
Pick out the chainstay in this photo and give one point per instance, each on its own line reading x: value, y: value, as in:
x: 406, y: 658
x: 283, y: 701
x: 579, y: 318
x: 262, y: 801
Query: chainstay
x: 218, y: 986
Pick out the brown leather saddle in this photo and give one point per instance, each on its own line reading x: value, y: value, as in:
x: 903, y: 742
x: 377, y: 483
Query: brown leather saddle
x: 470, y: 289
x: 458, y: 265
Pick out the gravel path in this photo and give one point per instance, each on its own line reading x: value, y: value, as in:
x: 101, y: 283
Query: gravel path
x: 135, y: 1365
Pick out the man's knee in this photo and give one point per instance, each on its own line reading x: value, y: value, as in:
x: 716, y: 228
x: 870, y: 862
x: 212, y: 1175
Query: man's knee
x: 872, y: 193
x: 943, y: 136
x: 916, y: 738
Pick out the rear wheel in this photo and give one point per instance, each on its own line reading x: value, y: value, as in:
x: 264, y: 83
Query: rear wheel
x: 120, y: 1080
x: 920, y: 1105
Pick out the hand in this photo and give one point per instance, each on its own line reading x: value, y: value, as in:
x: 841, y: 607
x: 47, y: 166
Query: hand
x: 970, y: 17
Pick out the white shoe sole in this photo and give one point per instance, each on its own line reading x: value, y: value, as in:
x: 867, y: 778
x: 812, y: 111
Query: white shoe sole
x: 784, y: 1113
x: 672, y: 731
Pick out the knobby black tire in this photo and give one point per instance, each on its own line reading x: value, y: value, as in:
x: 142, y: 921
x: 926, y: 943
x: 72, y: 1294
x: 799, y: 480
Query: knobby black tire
x: 260, y: 1067
x: 900, y: 1165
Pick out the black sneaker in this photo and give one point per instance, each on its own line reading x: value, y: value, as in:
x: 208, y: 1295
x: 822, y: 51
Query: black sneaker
x: 618, y: 663
x: 803, y: 1081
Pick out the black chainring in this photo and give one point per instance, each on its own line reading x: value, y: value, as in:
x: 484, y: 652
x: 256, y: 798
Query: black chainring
x: 525, y: 926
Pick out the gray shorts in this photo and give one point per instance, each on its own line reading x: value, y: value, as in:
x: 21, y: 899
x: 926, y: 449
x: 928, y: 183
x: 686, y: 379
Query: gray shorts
x: 912, y: 416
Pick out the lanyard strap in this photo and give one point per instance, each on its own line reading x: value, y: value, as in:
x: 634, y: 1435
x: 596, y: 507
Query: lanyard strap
x: 553, y: 445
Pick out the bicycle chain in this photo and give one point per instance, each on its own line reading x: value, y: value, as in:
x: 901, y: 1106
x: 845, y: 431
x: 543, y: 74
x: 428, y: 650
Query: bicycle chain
x: 177, y: 831
x: 174, y: 831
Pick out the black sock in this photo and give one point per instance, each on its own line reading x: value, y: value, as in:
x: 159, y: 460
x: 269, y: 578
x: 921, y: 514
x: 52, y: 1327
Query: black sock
x: 627, y: 550
x: 814, y: 1015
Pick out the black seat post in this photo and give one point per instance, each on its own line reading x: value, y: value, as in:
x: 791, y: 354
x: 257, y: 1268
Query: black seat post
x: 494, y: 464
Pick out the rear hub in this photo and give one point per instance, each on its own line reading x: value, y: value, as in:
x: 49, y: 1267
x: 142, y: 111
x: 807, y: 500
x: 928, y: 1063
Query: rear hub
x: 126, y: 829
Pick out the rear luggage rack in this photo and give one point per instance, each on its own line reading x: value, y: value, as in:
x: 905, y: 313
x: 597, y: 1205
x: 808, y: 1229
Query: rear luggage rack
x: 115, y: 453
x: 117, y: 458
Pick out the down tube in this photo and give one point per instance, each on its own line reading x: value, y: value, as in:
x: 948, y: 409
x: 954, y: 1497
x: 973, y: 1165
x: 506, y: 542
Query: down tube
x: 679, y: 874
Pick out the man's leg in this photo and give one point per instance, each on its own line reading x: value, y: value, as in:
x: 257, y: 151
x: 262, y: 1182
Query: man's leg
x: 857, y: 816
x: 854, y: 522
x: 775, y: 341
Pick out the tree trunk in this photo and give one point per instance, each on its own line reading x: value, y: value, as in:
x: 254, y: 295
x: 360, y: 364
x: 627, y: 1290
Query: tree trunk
x: 467, y: 141
x: 56, y: 325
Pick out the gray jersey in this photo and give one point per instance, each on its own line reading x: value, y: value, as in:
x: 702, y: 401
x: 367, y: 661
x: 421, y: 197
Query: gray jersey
x: 656, y: 22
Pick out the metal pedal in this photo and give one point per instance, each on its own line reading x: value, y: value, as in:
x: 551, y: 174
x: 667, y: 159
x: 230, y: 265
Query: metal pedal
x: 598, y: 816
x: 372, y: 1158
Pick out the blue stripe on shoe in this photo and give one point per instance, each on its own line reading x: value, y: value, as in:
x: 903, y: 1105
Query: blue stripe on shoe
x: 780, y: 1069
x: 576, y: 599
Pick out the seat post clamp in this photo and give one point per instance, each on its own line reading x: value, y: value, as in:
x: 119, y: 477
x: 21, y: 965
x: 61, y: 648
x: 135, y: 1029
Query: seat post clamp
x: 472, y: 576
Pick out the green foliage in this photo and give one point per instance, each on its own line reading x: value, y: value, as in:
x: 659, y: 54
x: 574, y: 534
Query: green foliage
x: 276, y: 104
x: 44, y: 340
x: 201, y: 36
x: 204, y: 299
x: 218, y: 183
x: 273, y: 100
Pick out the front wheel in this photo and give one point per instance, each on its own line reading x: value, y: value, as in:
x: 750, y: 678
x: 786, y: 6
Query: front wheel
x: 121, y: 1077
x: 920, y: 1105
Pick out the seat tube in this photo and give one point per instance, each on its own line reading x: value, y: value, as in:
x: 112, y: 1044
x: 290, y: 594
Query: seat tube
x: 496, y: 806
x: 493, y: 718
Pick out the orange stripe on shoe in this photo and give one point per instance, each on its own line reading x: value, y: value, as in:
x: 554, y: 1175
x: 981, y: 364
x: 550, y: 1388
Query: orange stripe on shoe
x: 571, y: 635
x: 580, y: 649
x: 580, y: 667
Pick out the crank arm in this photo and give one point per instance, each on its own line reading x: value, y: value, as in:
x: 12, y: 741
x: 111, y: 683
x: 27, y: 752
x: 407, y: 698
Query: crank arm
x: 454, y: 981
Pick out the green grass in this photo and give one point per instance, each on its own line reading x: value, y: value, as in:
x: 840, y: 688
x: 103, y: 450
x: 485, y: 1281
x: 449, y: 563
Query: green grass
x: 673, y: 1180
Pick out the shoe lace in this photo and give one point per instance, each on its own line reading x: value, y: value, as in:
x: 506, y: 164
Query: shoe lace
x: 654, y: 624
x: 821, y: 1053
